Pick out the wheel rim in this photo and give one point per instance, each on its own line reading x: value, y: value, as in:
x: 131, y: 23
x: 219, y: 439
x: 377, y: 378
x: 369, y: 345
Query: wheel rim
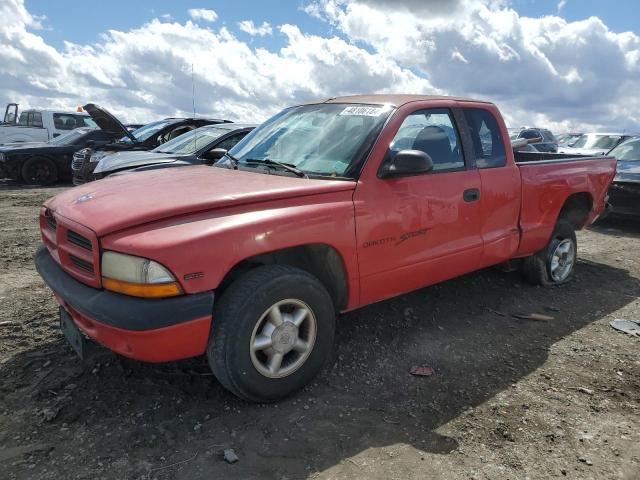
x: 562, y: 260
x: 283, y: 338
x: 40, y: 172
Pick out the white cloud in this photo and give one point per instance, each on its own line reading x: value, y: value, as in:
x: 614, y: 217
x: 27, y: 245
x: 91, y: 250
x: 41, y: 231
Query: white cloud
x: 203, y: 14
x: 561, y: 5
x: 545, y: 70
x: 145, y: 73
x: 253, y: 30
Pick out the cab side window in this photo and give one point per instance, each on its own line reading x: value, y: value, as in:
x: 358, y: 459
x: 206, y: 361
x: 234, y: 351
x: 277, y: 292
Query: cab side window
x: 231, y: 141
x: 488, y: 146
x: 176, y: 132
x: 433, y: 132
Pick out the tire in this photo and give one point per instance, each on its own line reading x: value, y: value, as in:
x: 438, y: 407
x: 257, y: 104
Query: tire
x: 545, y: 268
x: 242, y: 318
x: 39, y: 171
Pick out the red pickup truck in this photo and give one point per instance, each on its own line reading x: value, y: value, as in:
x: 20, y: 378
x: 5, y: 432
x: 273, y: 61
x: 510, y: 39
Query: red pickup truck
x: 324, y: 208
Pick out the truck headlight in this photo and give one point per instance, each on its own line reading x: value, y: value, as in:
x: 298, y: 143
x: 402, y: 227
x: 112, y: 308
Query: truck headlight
x: 137, y: 276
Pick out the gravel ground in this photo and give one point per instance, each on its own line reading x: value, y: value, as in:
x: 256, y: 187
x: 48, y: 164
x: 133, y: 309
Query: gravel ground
x: 510, y: 398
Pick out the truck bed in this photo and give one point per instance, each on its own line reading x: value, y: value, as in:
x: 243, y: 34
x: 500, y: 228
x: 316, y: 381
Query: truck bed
x: 548, y: 180
x: 526, y: 157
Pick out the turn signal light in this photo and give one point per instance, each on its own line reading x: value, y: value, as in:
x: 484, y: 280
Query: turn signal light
x: 145, y: 290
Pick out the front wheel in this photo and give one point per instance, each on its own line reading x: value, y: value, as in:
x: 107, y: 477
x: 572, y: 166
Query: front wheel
x: 555, y: 263
x: 272, y: 332
x: 39, y: 171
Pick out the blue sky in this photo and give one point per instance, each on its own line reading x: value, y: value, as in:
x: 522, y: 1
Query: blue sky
x: 82, y: 21
x: 67, y: 19
x: 619, y: 15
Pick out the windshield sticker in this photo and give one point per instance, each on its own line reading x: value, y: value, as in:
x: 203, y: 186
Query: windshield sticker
x: 364, y: 111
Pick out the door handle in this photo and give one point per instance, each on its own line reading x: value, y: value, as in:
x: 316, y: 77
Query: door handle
x: 471, y: 195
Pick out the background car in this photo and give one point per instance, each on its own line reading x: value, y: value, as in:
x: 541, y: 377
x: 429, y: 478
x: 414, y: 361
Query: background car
x: 147, y: 137
x: 567, y: 139
x: 548, y: 143
x: 192, y: 148
x: 37, y: 125
x: 595, y: 143
x: 42, y: 163
x: 624, y: 193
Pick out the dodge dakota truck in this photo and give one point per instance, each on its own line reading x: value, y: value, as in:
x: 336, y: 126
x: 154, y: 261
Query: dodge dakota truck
x: 324, y: 208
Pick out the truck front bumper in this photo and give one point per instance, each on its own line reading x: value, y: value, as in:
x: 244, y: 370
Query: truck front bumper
x: 151, y: 330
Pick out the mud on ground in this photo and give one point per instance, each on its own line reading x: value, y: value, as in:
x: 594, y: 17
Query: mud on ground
x: 509, y: 398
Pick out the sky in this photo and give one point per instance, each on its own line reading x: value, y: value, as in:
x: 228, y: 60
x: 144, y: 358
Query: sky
x: 563, y: 64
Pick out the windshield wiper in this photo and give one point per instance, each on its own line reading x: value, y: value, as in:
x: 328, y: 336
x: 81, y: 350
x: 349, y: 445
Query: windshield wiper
x: 273, y: 163
x: 234, y: 160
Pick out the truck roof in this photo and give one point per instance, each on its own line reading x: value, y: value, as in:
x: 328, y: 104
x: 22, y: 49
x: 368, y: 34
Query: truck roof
x: 46, y: 110
x: 394, y: 99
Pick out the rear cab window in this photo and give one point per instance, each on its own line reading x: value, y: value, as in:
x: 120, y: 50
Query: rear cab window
x: 488, y: 145
x: 31, y: 119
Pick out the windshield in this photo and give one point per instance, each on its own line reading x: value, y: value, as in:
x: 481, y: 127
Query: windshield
x: 568, y: 138
x: 143, y: 133
x: 69, y: 138
x: 604, y: 142
x: 322, y: 139
x: 628, y: 151
x: 190, y: 142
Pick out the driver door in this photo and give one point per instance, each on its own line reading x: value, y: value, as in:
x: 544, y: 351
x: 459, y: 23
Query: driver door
x: 417, y: 230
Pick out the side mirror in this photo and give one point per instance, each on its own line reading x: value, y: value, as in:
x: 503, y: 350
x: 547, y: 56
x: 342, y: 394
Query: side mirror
x: 407, y: 162
x: 213, y: 155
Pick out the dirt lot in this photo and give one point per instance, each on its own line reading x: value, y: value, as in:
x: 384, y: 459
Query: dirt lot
x: 509, y: 398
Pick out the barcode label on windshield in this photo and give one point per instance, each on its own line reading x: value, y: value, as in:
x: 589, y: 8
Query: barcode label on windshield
x: 364, y: 111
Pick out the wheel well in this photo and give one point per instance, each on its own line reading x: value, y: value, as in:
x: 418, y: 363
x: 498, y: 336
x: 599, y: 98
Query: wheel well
x: 576, y: 209
x: 320, y: 260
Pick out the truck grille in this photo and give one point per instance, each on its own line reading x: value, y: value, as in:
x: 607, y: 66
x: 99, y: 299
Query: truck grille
x: 51, y: 221
x: 80, y: 263
x: 78, y: 240
x: 73, y: 246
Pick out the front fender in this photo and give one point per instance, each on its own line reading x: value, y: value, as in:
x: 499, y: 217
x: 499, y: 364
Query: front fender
x: 200, y: 249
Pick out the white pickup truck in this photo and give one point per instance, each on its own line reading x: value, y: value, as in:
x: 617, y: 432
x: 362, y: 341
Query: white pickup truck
x: 39, y: 125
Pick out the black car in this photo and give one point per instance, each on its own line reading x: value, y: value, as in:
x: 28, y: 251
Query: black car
x: 549, y: 144
x: 203, y: 145
x: 145, y: 138
x: 624, y: 193
x: 42, y: 163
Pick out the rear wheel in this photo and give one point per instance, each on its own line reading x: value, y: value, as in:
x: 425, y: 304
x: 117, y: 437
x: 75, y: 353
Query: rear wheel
x: 272, y: 332
x: 39, y: 171
x: 554, y: 264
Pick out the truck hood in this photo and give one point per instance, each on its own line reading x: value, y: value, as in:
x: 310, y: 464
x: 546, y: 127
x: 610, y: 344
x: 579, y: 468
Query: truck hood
x: 106, y: 121
x: 124, y: 201
x: 627, y: 172
x: 132, y: 159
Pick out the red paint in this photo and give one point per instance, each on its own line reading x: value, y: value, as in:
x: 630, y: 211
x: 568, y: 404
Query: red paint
x: 203, y: 219
x: 184, y: 340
